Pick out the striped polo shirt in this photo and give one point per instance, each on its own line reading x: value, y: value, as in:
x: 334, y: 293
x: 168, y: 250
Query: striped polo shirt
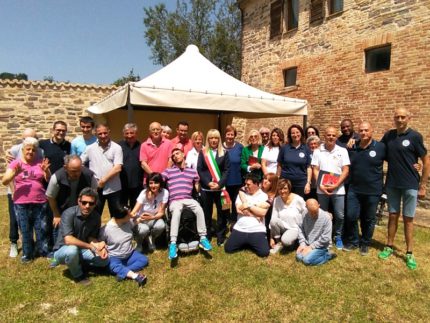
x: 180, y: 182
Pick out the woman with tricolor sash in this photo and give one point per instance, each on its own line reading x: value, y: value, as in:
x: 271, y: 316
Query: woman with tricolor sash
x: 213, y: 166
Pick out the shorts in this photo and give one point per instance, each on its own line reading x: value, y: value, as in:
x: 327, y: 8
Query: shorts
x: 407, y: 196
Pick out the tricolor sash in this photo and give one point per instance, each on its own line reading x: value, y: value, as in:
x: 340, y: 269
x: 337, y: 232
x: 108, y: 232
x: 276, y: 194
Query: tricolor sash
x: 216, y: 177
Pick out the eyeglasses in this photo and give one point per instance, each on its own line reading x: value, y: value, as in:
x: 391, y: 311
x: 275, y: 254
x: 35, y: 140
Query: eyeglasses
x: 84, y: 203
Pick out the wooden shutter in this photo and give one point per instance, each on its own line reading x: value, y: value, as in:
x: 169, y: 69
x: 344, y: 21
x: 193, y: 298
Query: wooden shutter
x: 276, y: 18
x: 317, y: 10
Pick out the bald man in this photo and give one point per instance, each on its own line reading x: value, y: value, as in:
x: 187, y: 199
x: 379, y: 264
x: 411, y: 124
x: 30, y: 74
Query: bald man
x: 404, y: 184
x: 330, y: 168
x: 155, y: 151
x: 365, y: 189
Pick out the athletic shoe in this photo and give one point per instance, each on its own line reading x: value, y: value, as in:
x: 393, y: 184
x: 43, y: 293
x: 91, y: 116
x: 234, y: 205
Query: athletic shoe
x: 386, y: 253
x: 349, y: 247
x: 26, y: 260
x: 13, y: 253
x: 141, y: 280
x: 205, y: 244
x: 410, y: 261
x: 339, y: 243
x: 83, y: 280
x: 332, y: 255
x: 53, y: 263
x: 364, y: 250
x: 173, y: 251
x: 278, y: 247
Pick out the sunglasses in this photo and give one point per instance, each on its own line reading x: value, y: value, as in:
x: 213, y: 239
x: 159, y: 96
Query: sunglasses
x: 84, y: 203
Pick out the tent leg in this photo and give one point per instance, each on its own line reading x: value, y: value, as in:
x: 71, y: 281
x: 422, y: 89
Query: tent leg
x: 305, y: 122
x: 129, y: 110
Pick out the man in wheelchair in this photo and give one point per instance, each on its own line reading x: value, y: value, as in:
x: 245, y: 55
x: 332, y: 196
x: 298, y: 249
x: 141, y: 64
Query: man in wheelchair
x: 180, y: 182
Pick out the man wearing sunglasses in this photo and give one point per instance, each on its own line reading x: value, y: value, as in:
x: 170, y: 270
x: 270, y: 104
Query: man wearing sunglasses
x: 77, y: 242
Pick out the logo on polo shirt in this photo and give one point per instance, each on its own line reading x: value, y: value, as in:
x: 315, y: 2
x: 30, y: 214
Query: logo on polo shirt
x: 372, y: 153
x: 406, y: 143
x: 302, y: 155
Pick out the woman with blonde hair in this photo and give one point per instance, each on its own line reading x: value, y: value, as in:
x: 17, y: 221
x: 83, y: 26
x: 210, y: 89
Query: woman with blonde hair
x: 251, y: 155
x: 213, y: 166
x: 192, y: 156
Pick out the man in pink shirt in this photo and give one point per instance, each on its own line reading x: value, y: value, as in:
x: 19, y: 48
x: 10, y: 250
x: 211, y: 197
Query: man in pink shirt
x: 155, y: 151
x: 182, y: 141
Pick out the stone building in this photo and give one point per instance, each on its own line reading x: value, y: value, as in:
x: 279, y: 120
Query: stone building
x: 349, y: 58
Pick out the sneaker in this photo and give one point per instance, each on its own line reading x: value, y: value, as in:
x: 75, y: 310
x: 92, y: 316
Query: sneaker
x: 386, y: 253
x: 13, y: 253
x: 278, y: 247
x: 332, y: 255
x: 53, y: 263
x: 205, y: 244
x: 364, y: 250
x: 83, y: 280
x: 349, y: 247
x: 141, y: 280
x: 173, y: 251
x: 410, y: 261
x: 339, y: 243
x: 26, y: 260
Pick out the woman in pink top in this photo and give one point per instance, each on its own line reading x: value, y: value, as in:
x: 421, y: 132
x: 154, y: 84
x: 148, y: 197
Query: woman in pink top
x: 29, y: 175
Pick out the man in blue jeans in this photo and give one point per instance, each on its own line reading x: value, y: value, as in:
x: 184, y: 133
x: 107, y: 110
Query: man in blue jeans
x: 331, y: 167
x: 365, y: 189
x: 77, y: 241
x: 404, y: 147
x: 315, y: 236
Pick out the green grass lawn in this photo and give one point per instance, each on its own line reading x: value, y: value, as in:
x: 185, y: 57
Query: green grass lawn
x: 239, y: 287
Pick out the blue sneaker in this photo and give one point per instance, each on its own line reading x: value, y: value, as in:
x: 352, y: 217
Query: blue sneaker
x: 173, y: 251
x: 339, y: 243
x: 205, y: 244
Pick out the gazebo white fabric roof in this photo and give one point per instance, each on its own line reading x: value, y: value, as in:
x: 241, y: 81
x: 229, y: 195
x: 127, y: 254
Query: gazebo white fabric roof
x: 193, y: 82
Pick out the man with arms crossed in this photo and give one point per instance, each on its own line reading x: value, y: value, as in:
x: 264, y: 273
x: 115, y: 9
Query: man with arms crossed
x: 404, y: 147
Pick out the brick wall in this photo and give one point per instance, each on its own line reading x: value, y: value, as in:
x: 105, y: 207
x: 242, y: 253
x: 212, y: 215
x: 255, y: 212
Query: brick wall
x: 329, y: 56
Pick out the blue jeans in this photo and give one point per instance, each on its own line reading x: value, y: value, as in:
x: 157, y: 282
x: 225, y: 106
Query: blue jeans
x: 363, y: 207
x: 73, y: 257
x: 135, y: 262
x: 338, y: 202
x: 32, y: 217
x: 314, y: 257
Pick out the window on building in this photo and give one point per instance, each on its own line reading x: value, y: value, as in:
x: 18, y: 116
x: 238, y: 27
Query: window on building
x: 378, y: 59
x: 292, y: 14
x: 276, y: 18
x: 335, y: 6
x: 290, y: 76
x: 317, y: 10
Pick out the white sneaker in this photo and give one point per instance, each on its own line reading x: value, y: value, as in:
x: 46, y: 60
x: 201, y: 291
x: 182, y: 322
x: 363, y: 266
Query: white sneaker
x: 13, y: 250
x: 278, y: 247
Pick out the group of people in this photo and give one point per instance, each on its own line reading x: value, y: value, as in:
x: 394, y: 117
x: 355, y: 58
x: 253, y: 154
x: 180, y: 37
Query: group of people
x: 276, y: 192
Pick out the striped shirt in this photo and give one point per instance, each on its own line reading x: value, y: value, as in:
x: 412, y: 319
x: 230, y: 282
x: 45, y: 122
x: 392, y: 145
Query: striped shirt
x: 180, y: 182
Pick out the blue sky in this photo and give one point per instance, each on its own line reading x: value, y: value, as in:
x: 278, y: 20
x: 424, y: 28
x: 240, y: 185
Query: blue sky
x: 81, y: 41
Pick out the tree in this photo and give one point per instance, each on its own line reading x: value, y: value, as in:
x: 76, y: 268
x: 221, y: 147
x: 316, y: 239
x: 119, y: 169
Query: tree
x: 49, y: 79
x: 125, y: 79
x: 11, y: 76
x: 213, y: 26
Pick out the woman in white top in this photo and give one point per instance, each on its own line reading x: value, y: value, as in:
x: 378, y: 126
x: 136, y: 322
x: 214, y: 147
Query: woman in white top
x: 193, y: 155
x: 287, y: 216
x: 269, y: 159
x: 150, y: 208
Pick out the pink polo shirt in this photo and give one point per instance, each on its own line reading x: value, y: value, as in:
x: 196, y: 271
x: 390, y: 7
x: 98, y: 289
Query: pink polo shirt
x: 184, y: 147
x: 156, y: 157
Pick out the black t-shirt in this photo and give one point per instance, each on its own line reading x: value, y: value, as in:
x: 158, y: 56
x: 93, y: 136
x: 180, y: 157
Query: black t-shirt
x: 403, y: 151
x: 55, y: 153
x: 366, y: 169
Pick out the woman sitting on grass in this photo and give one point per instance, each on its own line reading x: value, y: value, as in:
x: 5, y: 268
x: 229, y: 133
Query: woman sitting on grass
x: 287, y: 216
x: 124, y: 262
x: 269, y: 185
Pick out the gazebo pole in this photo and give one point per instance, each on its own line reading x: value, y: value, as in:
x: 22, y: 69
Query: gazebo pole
x: 305, y: 121
x: 129, y: 106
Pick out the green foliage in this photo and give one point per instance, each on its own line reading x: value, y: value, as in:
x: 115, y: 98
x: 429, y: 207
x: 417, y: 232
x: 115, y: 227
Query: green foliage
x: 131, y: 77
x: 11, y: 76
x: 49, y: 78
x: 213, y: 26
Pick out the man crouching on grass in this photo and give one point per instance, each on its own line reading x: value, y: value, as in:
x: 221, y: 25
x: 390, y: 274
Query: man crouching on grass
x: 315, y: 236
x: 77, y: 243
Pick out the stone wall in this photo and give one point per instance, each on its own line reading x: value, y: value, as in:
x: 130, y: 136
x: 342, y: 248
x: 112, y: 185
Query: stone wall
x: 329, y: 56
x: 26, y: 104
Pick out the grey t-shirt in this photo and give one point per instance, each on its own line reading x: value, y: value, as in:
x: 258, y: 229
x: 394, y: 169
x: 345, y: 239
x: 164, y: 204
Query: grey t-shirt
x: 316, y: 232
x: 118, y: 238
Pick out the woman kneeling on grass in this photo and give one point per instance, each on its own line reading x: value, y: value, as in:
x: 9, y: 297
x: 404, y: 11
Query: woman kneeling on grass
x: 287, y: 216
x: 124, y: 262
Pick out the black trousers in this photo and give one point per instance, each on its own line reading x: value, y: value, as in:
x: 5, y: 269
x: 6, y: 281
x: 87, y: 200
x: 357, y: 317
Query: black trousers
x: 130, y: 195
x: 255, y: 241
x: 208, y: 200
x: 113, y: 200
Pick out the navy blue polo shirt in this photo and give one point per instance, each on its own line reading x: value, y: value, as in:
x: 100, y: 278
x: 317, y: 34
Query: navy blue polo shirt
x: 294, y: 163
x: 403, y: 151
x: 366, y: 169
x: 55, y: 153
